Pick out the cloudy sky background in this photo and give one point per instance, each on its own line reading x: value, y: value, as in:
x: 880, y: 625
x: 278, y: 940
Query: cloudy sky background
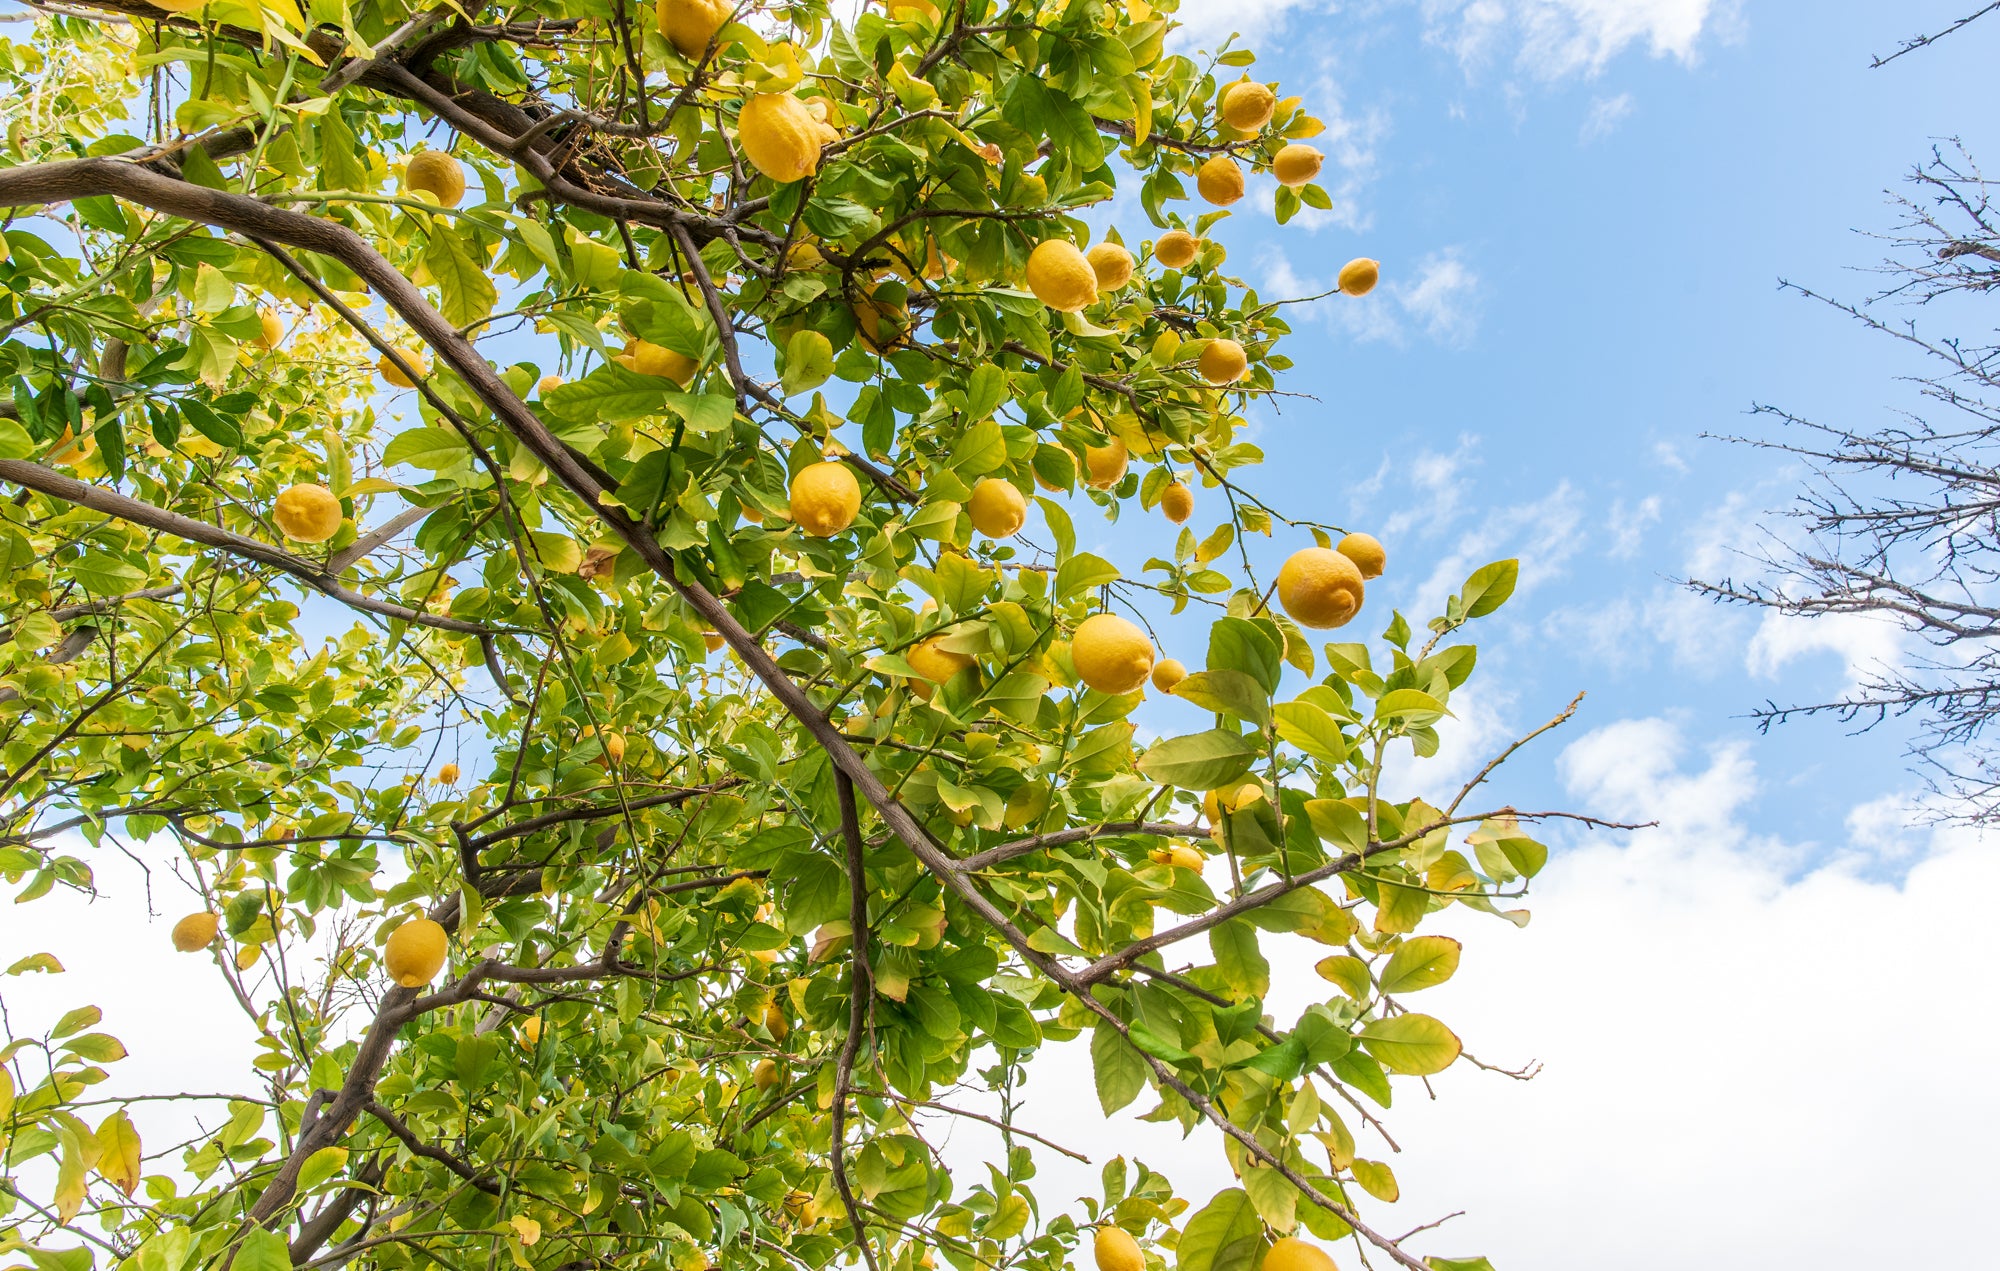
x: 1767, y: 1027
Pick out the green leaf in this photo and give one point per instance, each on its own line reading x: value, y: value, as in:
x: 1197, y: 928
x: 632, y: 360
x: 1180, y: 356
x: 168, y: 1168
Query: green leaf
x: 76, y: 1021
x: 1489, y: 587
x: 432, y: 449
x: 1226, y: 1235
x: 1121, y: 1073
x: 106, y: 575
x: 1415, y: 1045
x: 1081, y: 572
x: 808, y: 362
x: 1311, y: 730
x: 814, y: 887
x: 1413, y: 705
x: 1377, y: 1179
x: 980, y: 449
x: 609, y: 394
x: 1273, y: 1195
x: 1230, y: 692
x: 321, y: 1166
x: 703, y: 412
x: 1199, y: 761
x: 1420, y: 962
x: 985, y: 391
x: 1237, y: 957
x: 1338, y: 822
x: 1347, y: 973
x: 1238, y: 644
x: 465, y: 293
x: 15, y: 443
x: 262, y: 1250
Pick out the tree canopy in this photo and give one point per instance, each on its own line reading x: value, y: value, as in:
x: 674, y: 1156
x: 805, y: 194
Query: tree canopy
x: 519, y: 513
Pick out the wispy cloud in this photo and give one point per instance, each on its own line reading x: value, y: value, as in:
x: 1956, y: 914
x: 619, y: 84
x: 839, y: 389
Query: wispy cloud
x: 1442, y: 297
x: 1439, y: 298
x: 1628, y: 525
x: 1554, y: 39
x: 1606, y: 113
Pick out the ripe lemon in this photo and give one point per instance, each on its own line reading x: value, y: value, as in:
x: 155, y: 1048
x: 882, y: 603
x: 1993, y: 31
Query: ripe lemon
x: 1176, y: 248
x: 937, y: 665
x: 825, y: 497
x: 196, y: 932
x: 648, y: 358
x: 775, y: 1022
x: 1181, y: 856
x: 1223, y: 362
x: 780, y: 136
x: 1167, y: 673
x: 1112, y: 264
x: 270, y: 328
x: 1359, y: 276
x: 765, y: 1075
x: 1060, y: 277
x: 1232, y: 798
x: 1177, y: 501
x: 1220, y: 181
x: 690, y: 24
x: 1247, y: 106
x: 1320, y: 588
x: 1366, y: 553
x: 881, y: 324
x: 307, y: 513
x: 415, y: 953
x: 1106, y: 463
x: 998, y: 510
x: 548, y: 384
x: 1296, y: 164
x: 1294, y: 1254
x: 448, y: 775
x: 920, y: 8
x: 437, y: 174
x: 1117, y: 1251
x: 1111, y: 655
x: 531, y: 1029
x: 394, y: 374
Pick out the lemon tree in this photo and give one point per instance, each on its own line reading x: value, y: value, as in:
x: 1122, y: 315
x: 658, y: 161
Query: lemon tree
x: 551, y: 529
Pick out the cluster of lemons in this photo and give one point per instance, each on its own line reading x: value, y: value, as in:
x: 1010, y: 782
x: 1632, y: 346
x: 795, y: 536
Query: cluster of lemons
x: 1116, y: 1250
x: 413, y: 954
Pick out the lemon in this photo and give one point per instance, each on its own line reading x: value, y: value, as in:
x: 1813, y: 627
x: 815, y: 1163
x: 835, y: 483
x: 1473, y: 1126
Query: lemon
x: 1294, y: 1254
x: 1181, y: 856
x: 1247, y: 106
x: 1359, y: 276
x: 531, y: 1029
x: 548, y: 384
x: 711, y: 640
x: 1320, y: 588
x: 1229, y: 799
x: 415, y: 953
x: 689, y: 25
x: 1111, y: 655
x: 1220, y: 181
x: 448, y: 775
x: 881, y: 324
x: 196, y: 932
x: 936, y: 664
x: 1176, y: 248
x: 998, y: 510
x: 1296, y: 164
x: 1115, y: 1250
x: 1366, y: 553
x: 1060, y: 277
x: 648, y: 358
x: 1112, y: 264
x: 825, y: 497
x: 1223, y: 362
x: 1177, y: 501
x: 307, y: 513
x: 775, y: 1022
x: 1167, y: 673
x: 1106, y: 463
x: 765, y: 1075
x: 437, y: 174
x: 270, y: 328
x: 394, y: 374
x: 919, y: 8
x: 780, y: 136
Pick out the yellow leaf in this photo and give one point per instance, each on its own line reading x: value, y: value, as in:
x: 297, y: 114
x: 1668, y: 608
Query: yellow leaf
x: 72, y: 1185
x: 119, y: 1162
x: 526, y: 1228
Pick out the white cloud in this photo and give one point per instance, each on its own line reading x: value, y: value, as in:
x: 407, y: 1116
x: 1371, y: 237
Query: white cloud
x: 1441, y: 297
x: 1606, y: 113
x: 1866, y: 644
x: 1628, y: 526
x: 1206, y: 23
x: 1437, y: 489
x: 1553, y: 39
x: 1542, y: 534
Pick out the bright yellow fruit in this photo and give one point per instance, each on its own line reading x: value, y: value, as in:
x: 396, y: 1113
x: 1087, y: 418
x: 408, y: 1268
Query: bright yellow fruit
x: 270, y: 328
x: 881, y: 324
x: 1320, y: 588
x: 998, y: 510
x: 196, y: 932
x: 1112, y: 264
x: 548, y: 384
x: 780, y: 136
x: 1106, y: 463
x: 775, y: 1022
x: 531, y: 1029
x: 648, y: 358
x: 437, y: 174
x: 937, y: 665
x: 1060, y: 277
x: 1177, y: 501
x: 1181, y: 856
x: 1117, y: 1251
x: 1111, y: 654
x: 765, y: 1075
x: 1220, y: 181
x: 1247, y: 106
x: 1176, y: 248
x: 920, y: 8
x: 1167, y: 673
x: 825, y: 498
x: 448, y: 775
x: 1229, y: 799
x: 307, y: 513
x: 712, y: 640
x: 690, y: 24
x: 1294, y: 1254
x: 1359, y: 276
x: 393, y: 373
x: 1223, y: 362
x: 1366, y: 552
x: 415, y: 953
x: 1296, y: 164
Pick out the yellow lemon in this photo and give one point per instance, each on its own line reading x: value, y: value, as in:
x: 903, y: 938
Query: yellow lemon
x: 415, y: 953
x: 1106, y: 463
x: 1112, y: 264
x: 270, y: 328
x: 1177, y: 501
x: 1294, y: 1254
x: 531, y: 1029
x: 196, y: 932
x: 1181, y: 856
x: 1176, y: 248
x: 1060, y: 277
x: 825, y: 498
x: 1167, y: 673
x: 1247, y: 106
x: 394, y: 374
x: 1366, y: 553
x: 548, y: 384
x: 1115, y: 1250
x: 1320, y: 588
x: 1223, y: 362
x: 648, y: 358
x: 780, y: 136
x: 775, y: 1022
x: 919, y: 8
x: 690, y: 24
x: 448, y: 775
x: 437, y: 174
x: 998, y: 510
x: 1296, y: 164
x: 1111, y: 654
x: 1220, y: 181
x: 307, y: 513
x: 1229, y: 799
x: 765, y: 1075
x: 936, y: 664
x: 1359, y: 276
x: 881, y: 324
